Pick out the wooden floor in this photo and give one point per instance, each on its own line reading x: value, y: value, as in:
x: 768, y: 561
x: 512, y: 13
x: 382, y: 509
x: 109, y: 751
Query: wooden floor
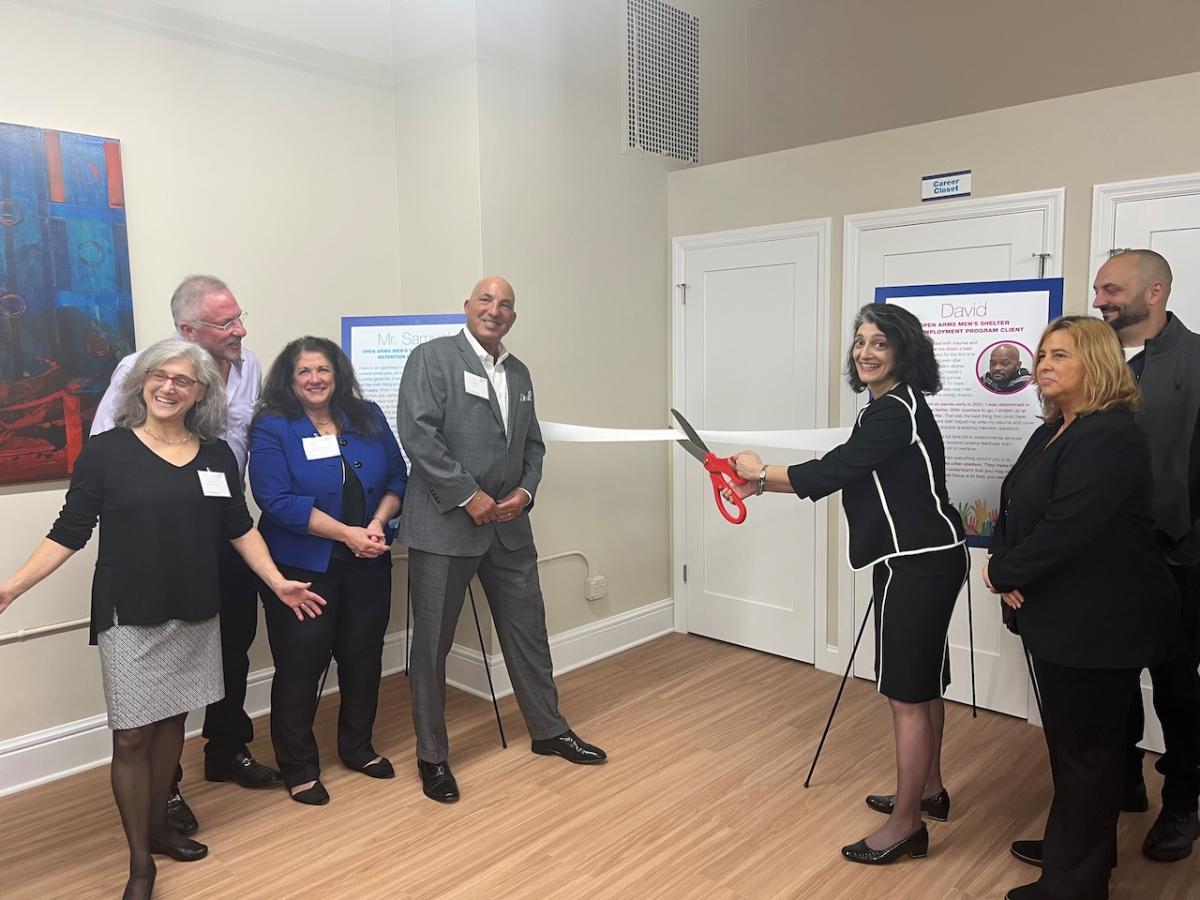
x: 703, y: 797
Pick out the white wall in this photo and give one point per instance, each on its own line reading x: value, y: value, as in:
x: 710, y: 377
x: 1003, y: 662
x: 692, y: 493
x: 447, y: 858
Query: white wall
x: 279, y: 181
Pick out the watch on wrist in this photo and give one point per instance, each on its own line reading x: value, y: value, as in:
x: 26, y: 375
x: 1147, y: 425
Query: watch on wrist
x: 762, y: 480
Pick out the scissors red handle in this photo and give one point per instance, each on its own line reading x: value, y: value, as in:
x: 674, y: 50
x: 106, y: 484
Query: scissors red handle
x: 723, y: 473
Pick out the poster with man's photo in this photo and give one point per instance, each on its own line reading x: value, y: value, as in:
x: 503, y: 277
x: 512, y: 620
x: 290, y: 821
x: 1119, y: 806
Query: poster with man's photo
x: 985, y: 335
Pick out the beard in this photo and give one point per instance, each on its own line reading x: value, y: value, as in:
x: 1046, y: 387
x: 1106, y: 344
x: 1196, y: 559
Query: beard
x: 1133, y: 313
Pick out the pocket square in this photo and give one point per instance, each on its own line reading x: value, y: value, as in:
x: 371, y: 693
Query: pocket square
x: 527, y: 397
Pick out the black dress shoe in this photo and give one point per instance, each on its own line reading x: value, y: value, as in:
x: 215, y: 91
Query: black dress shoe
x: 179, y: 815
x: 1134, y: 798
x: 570, y: 748
x: 1171, y: 836
x: 241, y: 768
x: 1027, y: 852
x: 915, y: 845
x: 937, y: 807
x: 437, y: 781
x: 177, y: 847
x: 313, y: 796
x: 140, y: 884
x: 1032, y: 891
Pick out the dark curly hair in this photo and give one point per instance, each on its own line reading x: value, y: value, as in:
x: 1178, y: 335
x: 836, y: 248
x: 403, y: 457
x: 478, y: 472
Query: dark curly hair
x: 279, y: 398
x: 915, y: 363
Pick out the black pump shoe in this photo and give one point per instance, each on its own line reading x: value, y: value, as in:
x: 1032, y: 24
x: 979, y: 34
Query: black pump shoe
x: 313, y: 796
x: 178, y: 847
x: 915, y: 845
x: 937, y: 807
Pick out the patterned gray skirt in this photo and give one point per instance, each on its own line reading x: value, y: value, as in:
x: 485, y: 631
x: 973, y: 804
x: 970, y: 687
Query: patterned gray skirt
x: 153, y: 672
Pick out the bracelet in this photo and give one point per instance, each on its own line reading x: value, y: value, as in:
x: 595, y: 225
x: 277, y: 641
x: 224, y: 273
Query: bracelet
x: 762, y: 481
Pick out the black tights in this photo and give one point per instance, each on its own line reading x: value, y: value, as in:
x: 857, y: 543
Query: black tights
x: 143, y: 765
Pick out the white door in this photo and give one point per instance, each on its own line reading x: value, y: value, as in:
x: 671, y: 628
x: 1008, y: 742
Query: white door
x: 1162, y: 214
x: 750, y: 355
x: 992, y: 239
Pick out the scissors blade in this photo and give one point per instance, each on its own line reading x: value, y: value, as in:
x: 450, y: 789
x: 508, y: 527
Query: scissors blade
x: 691, y: 448
x: 689, y: 430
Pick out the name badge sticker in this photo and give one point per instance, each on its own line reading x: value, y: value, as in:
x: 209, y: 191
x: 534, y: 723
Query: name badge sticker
x: 321, y: 446
x: 214, y: 484
x: 476, y: 385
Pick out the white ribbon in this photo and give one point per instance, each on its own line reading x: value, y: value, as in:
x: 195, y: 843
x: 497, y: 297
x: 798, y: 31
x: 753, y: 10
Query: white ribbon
x: 814, y: 440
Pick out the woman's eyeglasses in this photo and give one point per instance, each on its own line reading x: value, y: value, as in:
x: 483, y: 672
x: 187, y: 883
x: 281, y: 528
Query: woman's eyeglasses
x: 158, y: 376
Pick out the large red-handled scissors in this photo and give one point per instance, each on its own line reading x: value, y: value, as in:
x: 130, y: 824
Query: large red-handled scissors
x: 721, y: 470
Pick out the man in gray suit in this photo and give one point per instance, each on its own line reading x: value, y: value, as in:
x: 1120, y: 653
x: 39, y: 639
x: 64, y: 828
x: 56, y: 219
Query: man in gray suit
x: 467, y: 423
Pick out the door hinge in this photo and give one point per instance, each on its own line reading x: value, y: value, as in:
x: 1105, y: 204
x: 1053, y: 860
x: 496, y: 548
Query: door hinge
x: 685, y: 574
x: 682, y: 292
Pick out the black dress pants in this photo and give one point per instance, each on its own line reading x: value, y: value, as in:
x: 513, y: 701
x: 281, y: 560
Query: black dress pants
x: 1084, y: 713
x: 226, y: 724
x: 1177, y: 704
x: 358, y: 598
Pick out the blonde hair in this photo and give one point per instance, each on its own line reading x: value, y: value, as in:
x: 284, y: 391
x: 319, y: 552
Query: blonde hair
x: 1107, y: 381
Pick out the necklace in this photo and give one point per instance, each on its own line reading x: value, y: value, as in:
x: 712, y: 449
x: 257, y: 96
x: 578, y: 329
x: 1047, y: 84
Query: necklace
x: 167, y: 441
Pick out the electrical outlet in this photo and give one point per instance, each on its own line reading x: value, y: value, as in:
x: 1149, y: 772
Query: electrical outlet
x: 595, y: 587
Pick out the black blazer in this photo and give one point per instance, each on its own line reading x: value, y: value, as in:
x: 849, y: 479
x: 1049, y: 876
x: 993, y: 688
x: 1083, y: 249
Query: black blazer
x: 892, y: 475
x: 1075, y: 535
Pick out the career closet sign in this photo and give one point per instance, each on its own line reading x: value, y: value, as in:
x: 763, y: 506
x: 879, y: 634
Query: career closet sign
x: 985, y: 335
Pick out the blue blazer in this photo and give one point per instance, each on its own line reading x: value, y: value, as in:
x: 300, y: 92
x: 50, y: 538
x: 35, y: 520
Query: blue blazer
x: 286, y: 485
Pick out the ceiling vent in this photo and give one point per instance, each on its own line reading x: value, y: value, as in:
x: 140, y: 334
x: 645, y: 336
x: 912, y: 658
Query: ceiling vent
x: 663, y: 80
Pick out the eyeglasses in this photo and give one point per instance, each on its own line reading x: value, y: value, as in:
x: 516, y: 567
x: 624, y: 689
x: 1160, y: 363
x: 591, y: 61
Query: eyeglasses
x: 225, y: 327
x: 158, y: 376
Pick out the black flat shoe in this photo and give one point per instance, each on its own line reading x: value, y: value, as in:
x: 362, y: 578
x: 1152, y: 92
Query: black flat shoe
x: 140, y: 885
x: 569, y: 746
x: 1029, y: 852
x: 179, y: 815
x: 381, y: 768
x: 936, y: 807
x: 915, y: 845
x: 313, y: 796
x: 241, y: 768
x: 177, y: 847
x: 437, y: 781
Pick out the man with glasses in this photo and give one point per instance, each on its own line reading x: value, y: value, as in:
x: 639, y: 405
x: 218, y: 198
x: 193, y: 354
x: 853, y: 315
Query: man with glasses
x: 206, y: 313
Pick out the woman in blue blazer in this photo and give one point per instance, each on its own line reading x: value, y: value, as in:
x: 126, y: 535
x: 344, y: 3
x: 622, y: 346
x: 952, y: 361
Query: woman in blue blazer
x: 326, y: 470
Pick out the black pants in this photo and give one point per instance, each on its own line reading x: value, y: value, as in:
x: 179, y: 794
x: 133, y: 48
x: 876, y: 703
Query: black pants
x: 226, y: 724
x: 1084, y: 713
x: 1177, y: 704
x: 358, y: 597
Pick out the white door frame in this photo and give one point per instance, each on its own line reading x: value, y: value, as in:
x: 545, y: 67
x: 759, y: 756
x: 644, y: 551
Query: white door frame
x: 1052, y: 202
x: 821, y: 229
x: 1107, y: 197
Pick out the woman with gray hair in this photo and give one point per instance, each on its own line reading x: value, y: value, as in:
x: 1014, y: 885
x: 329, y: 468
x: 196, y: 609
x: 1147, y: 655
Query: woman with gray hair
x: 166, y: 492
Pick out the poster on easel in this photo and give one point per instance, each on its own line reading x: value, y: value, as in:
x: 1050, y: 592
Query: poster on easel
x: 985, y: 335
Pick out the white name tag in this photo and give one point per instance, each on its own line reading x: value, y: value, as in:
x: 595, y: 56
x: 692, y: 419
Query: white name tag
x: 214, y: 484
x: 476, y: 386
x: 321, y: 447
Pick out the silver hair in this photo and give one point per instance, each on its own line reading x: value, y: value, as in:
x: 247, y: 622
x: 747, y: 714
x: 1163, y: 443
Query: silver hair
x: 206, y: 419
x: 186, y: 301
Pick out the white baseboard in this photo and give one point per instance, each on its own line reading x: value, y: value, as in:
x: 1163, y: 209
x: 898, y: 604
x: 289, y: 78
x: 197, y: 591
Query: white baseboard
x: 42, y: 756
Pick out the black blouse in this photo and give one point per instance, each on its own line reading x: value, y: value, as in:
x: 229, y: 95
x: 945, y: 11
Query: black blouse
x: 892, y: 475
x: 159, y: 533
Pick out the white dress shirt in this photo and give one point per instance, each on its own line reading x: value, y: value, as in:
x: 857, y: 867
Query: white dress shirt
x: 241, y: 393
x: 498, y: 378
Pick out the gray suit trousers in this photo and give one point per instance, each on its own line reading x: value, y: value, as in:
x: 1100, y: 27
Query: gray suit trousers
x: 514, y: 594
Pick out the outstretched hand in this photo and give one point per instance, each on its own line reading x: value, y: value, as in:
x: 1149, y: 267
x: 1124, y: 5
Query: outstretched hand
x: 297, y: 596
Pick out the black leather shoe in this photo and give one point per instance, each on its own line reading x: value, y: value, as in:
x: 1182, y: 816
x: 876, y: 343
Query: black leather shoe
x: 381, y: 768
x: 177, y: 847
x: 437, y: 781
x: 313, y: 796
x: 241, y: 768
x: 1134, y: 798
x: 1028, y: 852
x: 936, y: 807
x: 179, y: 815
x: 1171, y: 836
x: 1031, y: 891
x: 915, y: 845
x: 570, y: 748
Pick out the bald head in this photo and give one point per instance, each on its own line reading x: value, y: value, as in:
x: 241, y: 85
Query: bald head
x: 1131, y: 293
x: 491, y: 310
x: 1004, y: 363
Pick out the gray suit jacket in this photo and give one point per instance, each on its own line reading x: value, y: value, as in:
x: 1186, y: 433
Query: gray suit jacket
x: 457, y: 445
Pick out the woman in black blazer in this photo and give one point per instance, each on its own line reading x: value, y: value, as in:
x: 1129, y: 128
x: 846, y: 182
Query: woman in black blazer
x: 892, y: 475
x: 1074, y: 559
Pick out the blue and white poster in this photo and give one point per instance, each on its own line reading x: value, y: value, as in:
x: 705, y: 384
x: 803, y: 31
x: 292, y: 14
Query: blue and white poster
x: 985, y: 335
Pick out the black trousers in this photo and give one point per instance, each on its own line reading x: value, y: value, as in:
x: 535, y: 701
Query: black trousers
x: 226, y: 724
x: 1084, y: 713
x: 358, y: 597
x: 1177, y: 704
